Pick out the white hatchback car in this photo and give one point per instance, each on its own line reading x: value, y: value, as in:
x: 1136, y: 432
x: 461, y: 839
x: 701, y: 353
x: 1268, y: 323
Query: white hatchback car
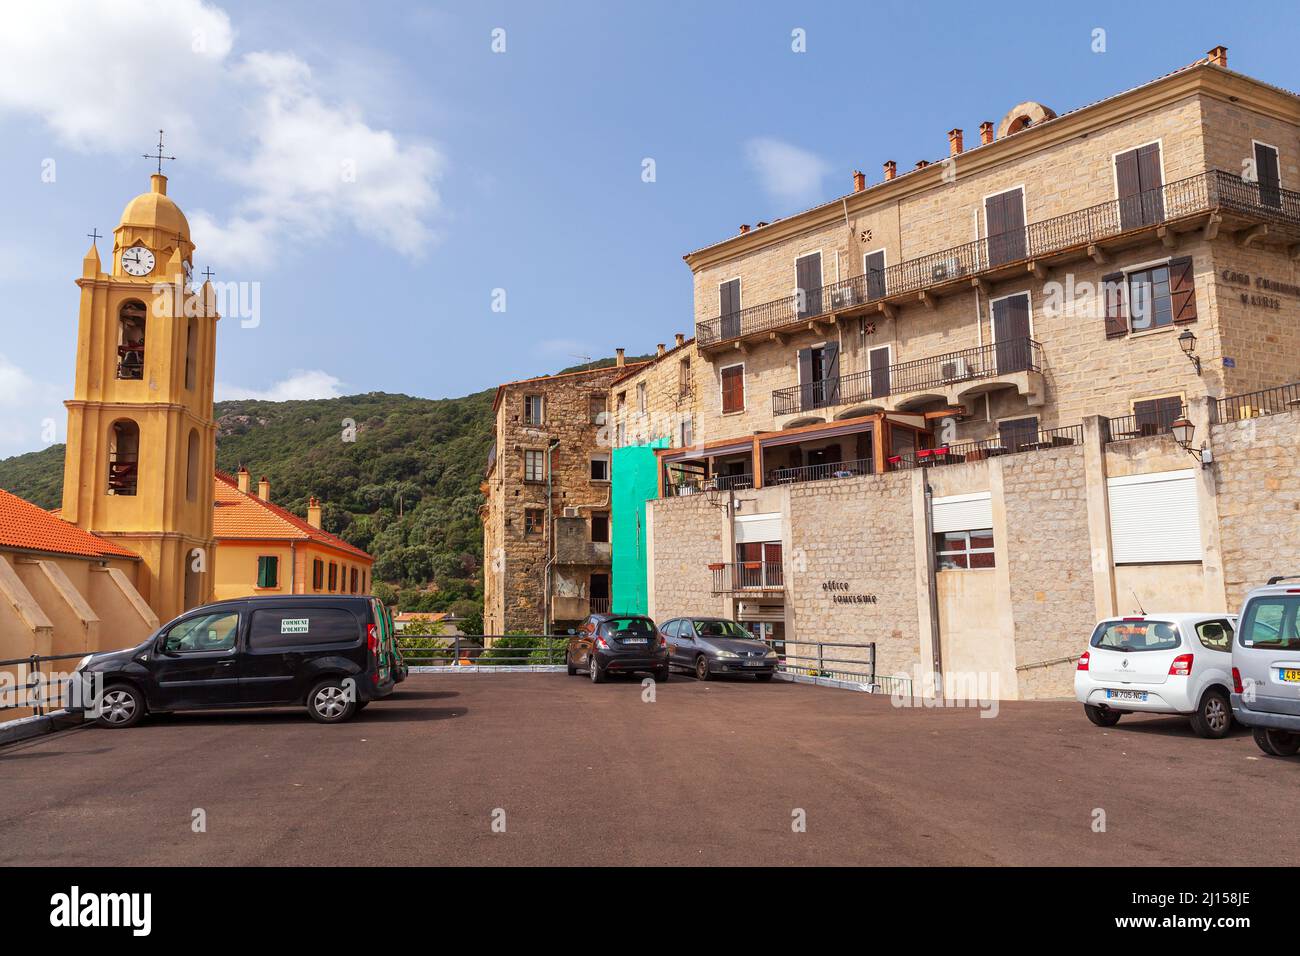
x: 1160, y: 664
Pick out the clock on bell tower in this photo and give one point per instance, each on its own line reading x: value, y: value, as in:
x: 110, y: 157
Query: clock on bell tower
x: 141, y: 437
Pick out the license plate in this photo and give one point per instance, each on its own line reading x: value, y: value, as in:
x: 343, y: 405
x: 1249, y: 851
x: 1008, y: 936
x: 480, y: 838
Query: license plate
x: 635, y: 640
x: 753, y: 663
x: 1290, y: 674
x: 1126, y: 695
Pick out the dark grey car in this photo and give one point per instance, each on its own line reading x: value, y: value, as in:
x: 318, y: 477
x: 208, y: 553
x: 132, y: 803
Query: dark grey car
x: 708, y: 646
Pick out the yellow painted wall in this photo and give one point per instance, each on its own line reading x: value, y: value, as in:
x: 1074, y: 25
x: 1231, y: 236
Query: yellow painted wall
x: 236, y: 574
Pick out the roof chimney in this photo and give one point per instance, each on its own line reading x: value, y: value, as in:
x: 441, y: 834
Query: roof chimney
x: 859, y: 181
x: 759, y: 225
x: 891, y: 169
x: 242, y: 478
x: 680, y: 339
x: 921, y: 164
x: 954, y: 142
x: 313, y: 511
x: 264, y: 488
x: 659, y: 350
x: 744, y: 228
x: 1219, y: 56
x: 986, y: 132
x: 618, y: 357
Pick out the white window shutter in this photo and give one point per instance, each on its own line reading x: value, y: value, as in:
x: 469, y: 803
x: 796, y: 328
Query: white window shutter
x: 963, y: 512
x: 1155, y: 518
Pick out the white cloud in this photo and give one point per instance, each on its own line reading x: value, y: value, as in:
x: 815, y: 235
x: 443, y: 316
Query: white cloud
x: 786, y: 173
x: 300, y: 385
x: 31, y: 414
x: 304, y: 163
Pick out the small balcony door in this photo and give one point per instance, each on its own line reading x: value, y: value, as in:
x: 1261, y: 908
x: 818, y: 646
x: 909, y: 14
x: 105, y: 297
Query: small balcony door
x: 598, y: 590
x: 1004, y: 216
x: 878, y: 364
x: 729, y: 308
x: 758, y: 564
x: 819, y: 376
x: 808, y: 281
x: 1139, y: 187
x: 1011, y: 332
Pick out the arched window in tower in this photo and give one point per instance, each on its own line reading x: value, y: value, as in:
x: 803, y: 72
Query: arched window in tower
x: 192, y: 467
x: 123, y: 457
x: 191, y: 352
x: 130, y: 340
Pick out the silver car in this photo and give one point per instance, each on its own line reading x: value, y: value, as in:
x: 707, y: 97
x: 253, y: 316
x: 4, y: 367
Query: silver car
x: 1266, y: 667
x: 708, y: 646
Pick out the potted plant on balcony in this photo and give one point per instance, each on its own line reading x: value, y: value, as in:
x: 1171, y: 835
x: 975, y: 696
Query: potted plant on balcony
x: 716, y: 566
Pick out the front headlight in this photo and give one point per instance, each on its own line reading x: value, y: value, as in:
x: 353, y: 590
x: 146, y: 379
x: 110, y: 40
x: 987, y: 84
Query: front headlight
x: 770, y: 655
x: 727, y: 654
x: 84, y: 661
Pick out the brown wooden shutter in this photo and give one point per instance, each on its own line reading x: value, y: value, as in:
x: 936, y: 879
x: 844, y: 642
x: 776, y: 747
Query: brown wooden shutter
x: 1182, y: 290
x: 1112, y: 292
x: 733, y: 389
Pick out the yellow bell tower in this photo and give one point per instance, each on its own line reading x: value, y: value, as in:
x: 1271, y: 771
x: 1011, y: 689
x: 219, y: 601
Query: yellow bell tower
x: 141, y: 438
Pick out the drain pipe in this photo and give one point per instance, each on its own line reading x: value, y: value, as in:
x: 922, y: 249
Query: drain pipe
x: 550, y: 544
x: 931, y: 587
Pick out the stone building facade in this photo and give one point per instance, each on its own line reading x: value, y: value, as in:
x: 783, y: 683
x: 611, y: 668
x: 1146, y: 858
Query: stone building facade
x: 546, y: 517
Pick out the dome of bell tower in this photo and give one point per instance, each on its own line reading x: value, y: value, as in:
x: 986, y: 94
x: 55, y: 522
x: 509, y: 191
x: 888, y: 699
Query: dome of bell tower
x: 156, y: 210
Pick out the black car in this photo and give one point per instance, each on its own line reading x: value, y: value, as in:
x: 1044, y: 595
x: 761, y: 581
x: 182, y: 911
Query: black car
x: 715, y: 645
x: 324, y: 652
x: 608, y: 644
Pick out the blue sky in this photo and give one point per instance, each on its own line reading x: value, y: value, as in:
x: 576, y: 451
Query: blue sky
x: 477, y: 170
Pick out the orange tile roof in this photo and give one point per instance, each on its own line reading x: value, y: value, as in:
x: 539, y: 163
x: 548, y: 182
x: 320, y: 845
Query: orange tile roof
x: 24, y: 525
x: 240, y: 516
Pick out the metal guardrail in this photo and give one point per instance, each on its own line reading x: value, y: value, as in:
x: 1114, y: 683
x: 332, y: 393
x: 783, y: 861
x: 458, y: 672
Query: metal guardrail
x: 1204, y: 192
x: 1265, y: 401
x: 747, y: 576
x: 820, y: 472
x: 38, y: 692
x: 433, y: 650
x: 949, y: 368
x: 1013, y: 443
x: 1127, y: 427
x: 818, y: 663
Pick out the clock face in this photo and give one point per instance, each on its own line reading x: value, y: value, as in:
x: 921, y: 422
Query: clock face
x: 137, y: 261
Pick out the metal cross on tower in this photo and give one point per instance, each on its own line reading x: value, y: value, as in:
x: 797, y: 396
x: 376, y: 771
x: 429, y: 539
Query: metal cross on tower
x: 159, y: 155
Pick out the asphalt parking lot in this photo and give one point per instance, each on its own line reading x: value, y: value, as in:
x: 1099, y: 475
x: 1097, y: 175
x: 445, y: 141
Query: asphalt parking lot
x: 709, y: 773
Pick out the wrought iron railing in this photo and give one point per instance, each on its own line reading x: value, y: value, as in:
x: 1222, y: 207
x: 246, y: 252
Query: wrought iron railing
x: 1216, y: 189
x: 600, y: 605
x: 819, y: 472
x: 1266, y: 401
x: 1142, y: 425
x: 1013, y: 441
x: 747, y: 576
x: 965, y: 365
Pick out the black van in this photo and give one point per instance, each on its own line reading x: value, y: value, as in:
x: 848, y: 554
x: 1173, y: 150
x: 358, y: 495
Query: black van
x: 326, y: 652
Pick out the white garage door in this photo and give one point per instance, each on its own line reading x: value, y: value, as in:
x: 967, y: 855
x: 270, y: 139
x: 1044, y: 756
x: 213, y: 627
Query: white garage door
x: 1155, y: 518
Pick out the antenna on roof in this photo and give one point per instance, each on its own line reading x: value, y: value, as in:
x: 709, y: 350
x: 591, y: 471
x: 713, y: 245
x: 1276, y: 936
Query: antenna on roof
x: 585, y: 358
x: 1139, y: 603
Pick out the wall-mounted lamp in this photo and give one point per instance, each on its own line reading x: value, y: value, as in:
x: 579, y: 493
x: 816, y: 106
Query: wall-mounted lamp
x: 1187, y: 342
x: 1183, y: 430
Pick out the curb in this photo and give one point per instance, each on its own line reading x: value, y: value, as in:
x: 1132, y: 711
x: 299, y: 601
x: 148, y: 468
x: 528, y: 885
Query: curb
x: 25, y: 728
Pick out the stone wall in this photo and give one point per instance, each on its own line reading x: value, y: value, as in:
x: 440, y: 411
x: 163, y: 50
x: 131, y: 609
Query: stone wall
x: 685, y: 536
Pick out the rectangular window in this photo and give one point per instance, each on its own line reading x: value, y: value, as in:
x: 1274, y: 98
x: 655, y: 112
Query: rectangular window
x: 733, y: 389
x: 1004, y: 217
x: 1016, y: 434
x: 533, y: 466
x: 620, y: 435
x: 729, y: 308
x: 600, y: 527
x: 620, y: 402
x: 1155, y: 416
x: 1267, y: 170
x: 334, y: 576
x: 534, y: 518
x: 596, y: 409
x: 532, y: 409
x: 808, y: 284
x: 640, y: 397
x: 684, y: 377
x: 268, y: 571
x: 964, y: 549
x: 600, y: 468
x: 294, y: 627
x: 1149, y: 302
x: 1271, y: 622
x: 688, y: 433
x: 353, y: 580
x: 1139, y: 187
x: 873, y: 267
x: 317, y: 574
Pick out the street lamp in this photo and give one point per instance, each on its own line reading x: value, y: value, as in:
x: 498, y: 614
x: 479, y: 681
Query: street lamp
x: 1187, y: 342
x: 1183, y: 430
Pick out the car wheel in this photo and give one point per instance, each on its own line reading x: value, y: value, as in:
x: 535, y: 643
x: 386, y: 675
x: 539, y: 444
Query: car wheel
x: 701, y: 668
x: 661, y: 675
x: 1276, y: 743
x: 330, y: 703
x: 122, y: 706
x: 1102, y: 716
x: 597, y: 675
x: 1213, y: 719
x: 764, y: 677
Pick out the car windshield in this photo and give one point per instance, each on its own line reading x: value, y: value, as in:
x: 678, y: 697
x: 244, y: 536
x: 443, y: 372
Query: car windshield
x: 628, y: 626
x: 722, y: 629
x: 1136, y: 635
x: 1271, y: 621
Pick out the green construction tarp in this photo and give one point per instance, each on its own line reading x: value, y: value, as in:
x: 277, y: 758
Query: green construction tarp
x: 635, y: 480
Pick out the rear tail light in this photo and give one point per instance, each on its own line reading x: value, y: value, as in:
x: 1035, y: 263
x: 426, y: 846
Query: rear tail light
x: 1083, y: 662
x: 1236, y: 682
x: 663, y: 641
x: 601, y: 643
x: 1182, y: 666
x: 372, y: 638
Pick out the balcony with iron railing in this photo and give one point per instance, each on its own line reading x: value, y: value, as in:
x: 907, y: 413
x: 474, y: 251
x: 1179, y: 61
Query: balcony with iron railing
x: 1071, y: 235
x: 748, y: 576
x: 951, y: 374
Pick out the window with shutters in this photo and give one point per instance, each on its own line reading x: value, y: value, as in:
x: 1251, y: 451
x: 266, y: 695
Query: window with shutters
x: 1004, y: 217
x: 641, y: 397
x: 317, y: 574
x: 1018, y: 433
x: 808, y: 284
x: 964, y: 550
x: 688, y: 432
x: 334, y: 576
x: 1149, y: 297
x: 729, y: 307
x: 1139, y: 187
x: 1268, y: 174
x: 596, y: 409
x: 533, y: 468
x: 1155, y: 416
x: 268, y: 571
x: 819, y: 376
x: 873, y: 267
x: 1154, y: 518
x: 963, y: 536
x: 534, y: 518
x: 733, y: 389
